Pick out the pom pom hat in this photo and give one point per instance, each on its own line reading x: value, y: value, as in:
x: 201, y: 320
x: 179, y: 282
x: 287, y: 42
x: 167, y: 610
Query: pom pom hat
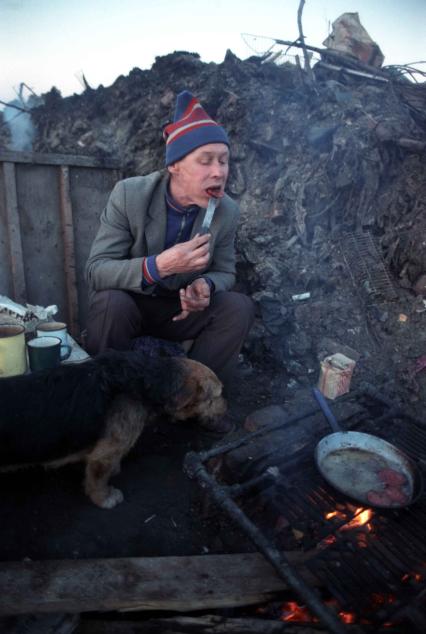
x: 191, y: 128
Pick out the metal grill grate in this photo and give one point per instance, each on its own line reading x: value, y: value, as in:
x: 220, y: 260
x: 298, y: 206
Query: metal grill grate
x: 377, y: 571
x: 367, y: 267
x: 378, y: 575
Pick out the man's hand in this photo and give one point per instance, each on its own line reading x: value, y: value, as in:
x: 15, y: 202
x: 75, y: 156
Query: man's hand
x: 185, y: 257
x: 193, y: 298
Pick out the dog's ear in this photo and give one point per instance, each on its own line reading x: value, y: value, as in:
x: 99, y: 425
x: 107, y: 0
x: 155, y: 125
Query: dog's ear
x: 184, y: 393
x: 188, y: 389
x: 194, y: 392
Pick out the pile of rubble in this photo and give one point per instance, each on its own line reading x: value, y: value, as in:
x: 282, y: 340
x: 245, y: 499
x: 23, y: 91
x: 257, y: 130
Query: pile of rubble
x: 318, y: 169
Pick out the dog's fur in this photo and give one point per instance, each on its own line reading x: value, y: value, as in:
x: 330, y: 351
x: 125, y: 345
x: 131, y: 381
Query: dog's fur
x: 95, y: 411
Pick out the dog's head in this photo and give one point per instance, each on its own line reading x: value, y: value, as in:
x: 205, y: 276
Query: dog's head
x: 181, y: 387
x: 198, y: 393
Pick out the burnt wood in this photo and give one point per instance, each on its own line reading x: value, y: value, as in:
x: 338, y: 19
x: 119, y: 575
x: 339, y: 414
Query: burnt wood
x: 210, y: 624
x: 150, y: 583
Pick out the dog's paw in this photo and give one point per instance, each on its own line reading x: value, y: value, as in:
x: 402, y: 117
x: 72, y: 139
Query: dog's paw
x: 113, y: 498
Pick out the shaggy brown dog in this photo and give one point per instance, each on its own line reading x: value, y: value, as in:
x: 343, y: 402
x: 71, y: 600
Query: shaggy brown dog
x: 95, y: 411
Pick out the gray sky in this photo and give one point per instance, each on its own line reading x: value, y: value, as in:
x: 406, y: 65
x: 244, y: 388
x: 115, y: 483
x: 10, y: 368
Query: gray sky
x: 46, y: 42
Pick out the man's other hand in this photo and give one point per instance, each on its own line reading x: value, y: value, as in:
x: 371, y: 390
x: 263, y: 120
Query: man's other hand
x: 193, y: 298
x: 185, y: 257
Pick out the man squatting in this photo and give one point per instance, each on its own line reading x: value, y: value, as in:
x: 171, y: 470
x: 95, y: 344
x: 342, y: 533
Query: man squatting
x: 150, y: 272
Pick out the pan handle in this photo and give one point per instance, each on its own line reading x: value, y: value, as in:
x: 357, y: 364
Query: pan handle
x: 332, y: 420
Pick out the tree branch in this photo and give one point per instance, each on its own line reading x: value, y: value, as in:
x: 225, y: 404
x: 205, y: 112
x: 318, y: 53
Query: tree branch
x: 11, y: 105
x: 336, y: 57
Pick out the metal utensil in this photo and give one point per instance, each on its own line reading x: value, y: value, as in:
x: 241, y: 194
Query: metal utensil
x: 208, y: 216
x: 350, y: 462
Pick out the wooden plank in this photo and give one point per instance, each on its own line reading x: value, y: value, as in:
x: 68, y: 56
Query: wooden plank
x: 205, y: 624
x: 41, y: 233
x: 6, y: 282
x: 67, y: 224
x: 90, y: 189
x: 14, y: 234
x: 153, y: 583
x: 58, y: 159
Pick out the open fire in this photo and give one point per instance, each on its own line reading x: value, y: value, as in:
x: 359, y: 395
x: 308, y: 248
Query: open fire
x: 361, y: 519
x: 370, y: 564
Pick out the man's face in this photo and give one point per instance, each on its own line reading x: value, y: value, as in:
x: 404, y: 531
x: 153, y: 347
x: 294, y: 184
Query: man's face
x: 206, y: 168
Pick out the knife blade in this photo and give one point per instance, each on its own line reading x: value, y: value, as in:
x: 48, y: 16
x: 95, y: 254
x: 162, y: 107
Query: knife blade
x: 211, y: 206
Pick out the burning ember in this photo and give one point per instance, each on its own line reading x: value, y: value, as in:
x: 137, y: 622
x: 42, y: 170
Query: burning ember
x: 412, y: 576
x: 361, y: 519
x: 293, y: 611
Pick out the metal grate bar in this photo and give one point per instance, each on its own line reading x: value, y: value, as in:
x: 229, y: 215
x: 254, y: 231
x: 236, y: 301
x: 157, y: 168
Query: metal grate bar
x: 366, y: 266
x: 386, y: 552
x: 393, y: 552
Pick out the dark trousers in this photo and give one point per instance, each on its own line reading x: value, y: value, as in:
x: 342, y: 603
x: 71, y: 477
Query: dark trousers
x: 117, y: 317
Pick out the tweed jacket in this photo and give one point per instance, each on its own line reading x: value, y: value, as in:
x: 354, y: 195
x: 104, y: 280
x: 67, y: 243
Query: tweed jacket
x: 133, y: 225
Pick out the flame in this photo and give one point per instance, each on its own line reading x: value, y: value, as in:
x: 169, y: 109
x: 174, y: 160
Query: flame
x: 362, y: 517
x: 328, y: 516
x: 293, y: 611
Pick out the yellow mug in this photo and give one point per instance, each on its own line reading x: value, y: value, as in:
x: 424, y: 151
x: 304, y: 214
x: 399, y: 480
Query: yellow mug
x: 13, y: 358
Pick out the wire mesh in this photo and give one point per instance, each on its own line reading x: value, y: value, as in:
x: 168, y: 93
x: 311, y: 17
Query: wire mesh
x: 366, y: 267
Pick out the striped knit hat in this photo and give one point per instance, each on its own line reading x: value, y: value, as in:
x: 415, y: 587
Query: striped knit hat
x: 191, y: 128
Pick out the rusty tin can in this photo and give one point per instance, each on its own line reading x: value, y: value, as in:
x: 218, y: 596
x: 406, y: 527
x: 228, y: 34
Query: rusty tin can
x: 335, y: 375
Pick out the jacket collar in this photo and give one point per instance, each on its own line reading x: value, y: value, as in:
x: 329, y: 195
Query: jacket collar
x: 156, y: 223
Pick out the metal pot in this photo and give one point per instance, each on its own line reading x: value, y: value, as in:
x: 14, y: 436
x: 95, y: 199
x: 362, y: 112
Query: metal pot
x: 365, y: 467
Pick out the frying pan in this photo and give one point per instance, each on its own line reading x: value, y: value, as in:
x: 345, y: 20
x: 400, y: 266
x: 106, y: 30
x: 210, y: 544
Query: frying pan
x: 360, y: 465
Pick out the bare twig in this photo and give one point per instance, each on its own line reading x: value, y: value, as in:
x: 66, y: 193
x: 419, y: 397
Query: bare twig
x: 409, y: 69
x: 23, y: 85
x: 12, y: 105
x: 351, y: 71
x: 308, y: 68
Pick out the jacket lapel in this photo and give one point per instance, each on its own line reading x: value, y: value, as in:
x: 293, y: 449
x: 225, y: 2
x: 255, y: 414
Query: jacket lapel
x: 156, y: 222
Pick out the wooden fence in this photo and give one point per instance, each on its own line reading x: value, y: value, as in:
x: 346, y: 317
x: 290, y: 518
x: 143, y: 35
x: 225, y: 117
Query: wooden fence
x: 49, y: 211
